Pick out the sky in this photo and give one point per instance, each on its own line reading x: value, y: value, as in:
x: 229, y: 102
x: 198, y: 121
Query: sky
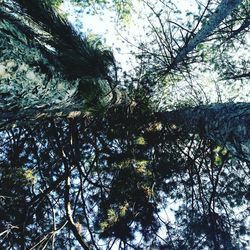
x: 123, y: 40
x: 115, y: 37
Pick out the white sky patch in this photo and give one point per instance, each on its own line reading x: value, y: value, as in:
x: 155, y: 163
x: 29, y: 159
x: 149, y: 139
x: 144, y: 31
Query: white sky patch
x: 120, y: 40
x: 124, y: 38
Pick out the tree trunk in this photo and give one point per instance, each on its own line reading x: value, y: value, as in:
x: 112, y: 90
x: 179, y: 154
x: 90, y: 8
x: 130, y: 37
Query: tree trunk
x: 30, y: 116
x: 227, y: 124
x: 32, y: 72
x: 222, y: 11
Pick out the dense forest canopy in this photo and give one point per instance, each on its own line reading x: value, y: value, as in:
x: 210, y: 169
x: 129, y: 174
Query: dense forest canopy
x: 155, y: 155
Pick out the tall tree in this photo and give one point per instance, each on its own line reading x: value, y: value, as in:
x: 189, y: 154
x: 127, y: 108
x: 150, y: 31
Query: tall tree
x: 78, y: 167
x: 220, y: 13
x: 49, y: 66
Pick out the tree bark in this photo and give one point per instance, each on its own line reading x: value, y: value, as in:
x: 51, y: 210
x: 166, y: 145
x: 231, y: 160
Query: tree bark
x: 30, y: 116
x: 227, y: 124
x: 222, y: 11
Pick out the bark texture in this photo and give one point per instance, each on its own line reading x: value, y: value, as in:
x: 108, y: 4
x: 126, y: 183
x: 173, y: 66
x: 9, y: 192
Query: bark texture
x: 227, y: 124
x: 27, y: 78
x: 35, y: 62
x: 222, y: 11
x: 30, y: 116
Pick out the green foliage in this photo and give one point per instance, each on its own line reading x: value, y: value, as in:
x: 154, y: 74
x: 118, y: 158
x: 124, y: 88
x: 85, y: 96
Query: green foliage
x: 17, y: 178
x: 140, y: 140
x: 120, y: 188
x: 15, y: 187
x: 55, y: 3
x: 121, y: 8
x: 123, y: 206
x: 221, y: 154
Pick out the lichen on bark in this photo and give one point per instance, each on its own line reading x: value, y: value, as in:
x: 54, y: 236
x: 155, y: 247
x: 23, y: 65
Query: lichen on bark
x: 27, y: 79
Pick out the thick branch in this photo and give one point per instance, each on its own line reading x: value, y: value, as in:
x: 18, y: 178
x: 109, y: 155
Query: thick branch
x: 67, y: 205
x: 70, y: 219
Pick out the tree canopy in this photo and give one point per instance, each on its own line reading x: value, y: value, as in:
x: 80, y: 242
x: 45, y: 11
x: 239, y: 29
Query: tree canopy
x: 156, y: 155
